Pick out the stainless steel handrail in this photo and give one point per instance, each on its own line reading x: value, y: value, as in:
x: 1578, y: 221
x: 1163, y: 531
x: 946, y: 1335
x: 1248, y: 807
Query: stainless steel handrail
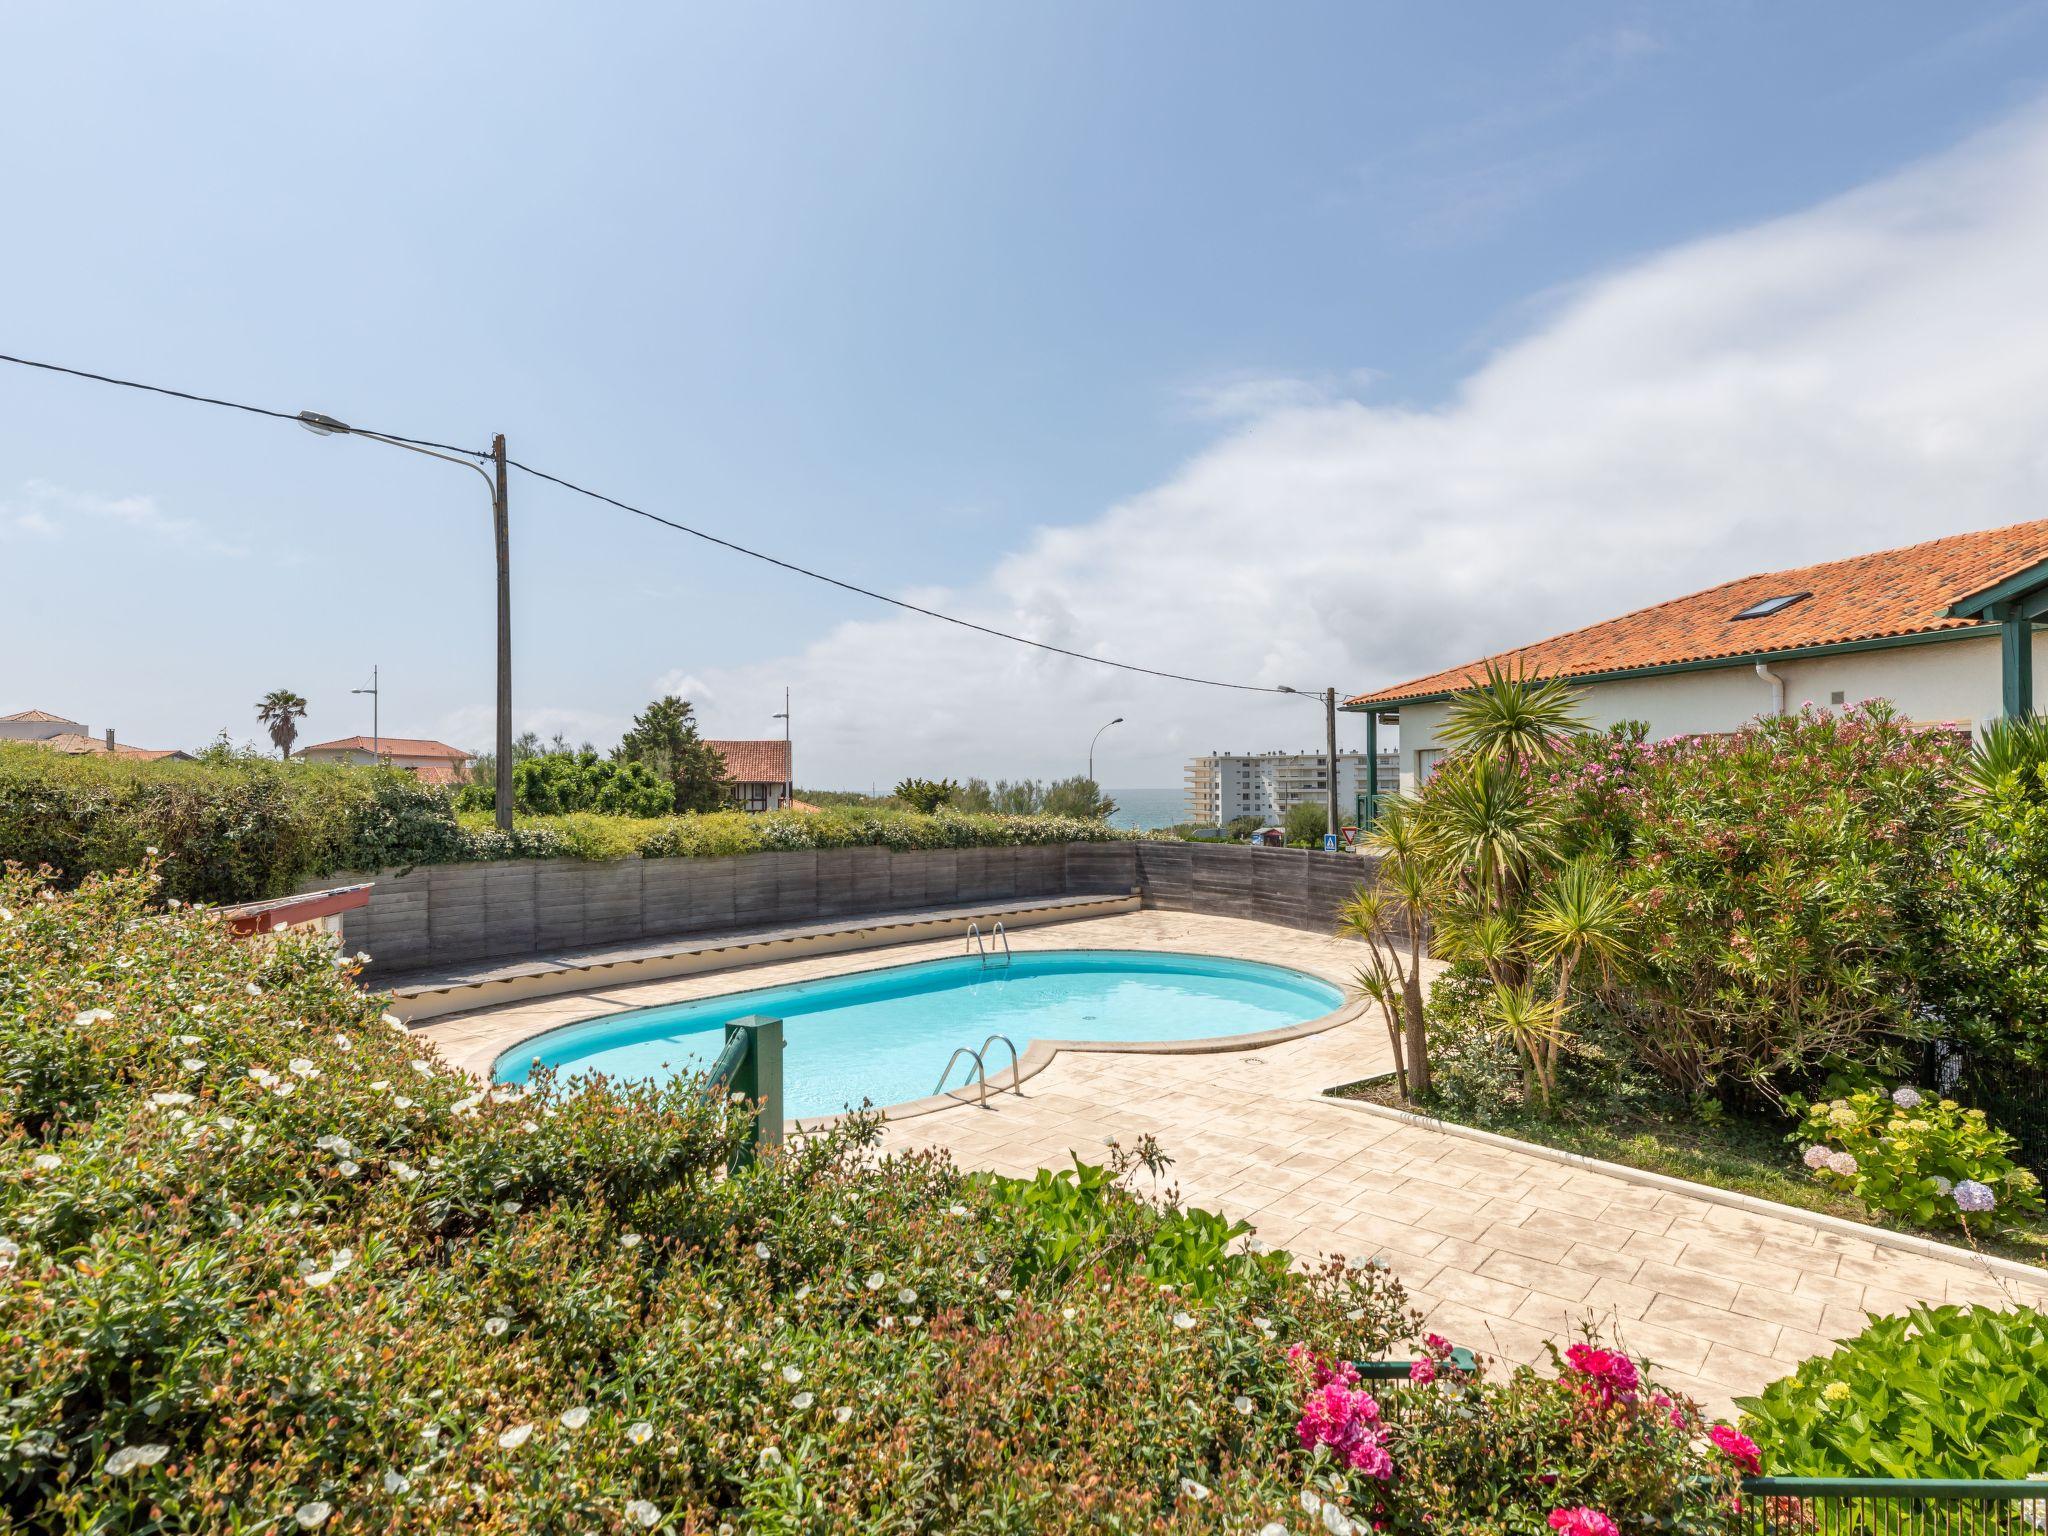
x: 1003, y: 934
x: 1016, y: 1066
x: 980, y: 1072
x: 974, y: 941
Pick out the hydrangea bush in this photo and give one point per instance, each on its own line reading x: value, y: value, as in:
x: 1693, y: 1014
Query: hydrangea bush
x: 1939, y: 1392
x: 1916, y: 1156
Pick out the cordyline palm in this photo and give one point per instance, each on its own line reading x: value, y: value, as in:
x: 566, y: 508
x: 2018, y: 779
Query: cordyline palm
x: 1581, y: 915
x: 1487, y: 830
x: 281, y: 710
x: 1389, y: 916
x: 1512, y: 718
x: 2009, y: 746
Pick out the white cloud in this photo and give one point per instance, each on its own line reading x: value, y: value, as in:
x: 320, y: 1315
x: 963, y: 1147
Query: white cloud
x: 48, y: 511
x: 1867, y: 373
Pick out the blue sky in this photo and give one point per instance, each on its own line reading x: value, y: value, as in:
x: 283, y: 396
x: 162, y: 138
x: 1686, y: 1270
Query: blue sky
x: 1170, y: 329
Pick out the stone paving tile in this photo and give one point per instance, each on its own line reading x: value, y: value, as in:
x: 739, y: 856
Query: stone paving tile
x: 1503, y: 1251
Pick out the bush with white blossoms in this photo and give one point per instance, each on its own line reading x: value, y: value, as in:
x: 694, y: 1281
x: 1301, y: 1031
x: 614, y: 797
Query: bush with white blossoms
x: 1910, y: 1154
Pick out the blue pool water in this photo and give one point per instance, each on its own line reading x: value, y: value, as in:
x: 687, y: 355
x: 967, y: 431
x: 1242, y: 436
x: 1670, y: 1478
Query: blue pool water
x: 883, y: 1036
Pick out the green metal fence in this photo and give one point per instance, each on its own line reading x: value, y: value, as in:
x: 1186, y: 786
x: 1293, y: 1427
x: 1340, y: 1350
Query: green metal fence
x: 751, y: 1067
x: 1840, y: 1506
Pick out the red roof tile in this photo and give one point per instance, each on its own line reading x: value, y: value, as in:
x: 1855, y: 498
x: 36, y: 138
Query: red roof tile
x: 1892, y: 593
x: 755, y: 762
x: 36, y: 717
x: 391, y: 746
x: 95, y: 746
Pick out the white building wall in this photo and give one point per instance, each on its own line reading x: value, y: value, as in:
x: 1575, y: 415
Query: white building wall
x: 1944, y: 682
x: 1226, y: 785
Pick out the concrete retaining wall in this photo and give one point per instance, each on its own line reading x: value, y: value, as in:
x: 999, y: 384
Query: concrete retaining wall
x: 445, y: 914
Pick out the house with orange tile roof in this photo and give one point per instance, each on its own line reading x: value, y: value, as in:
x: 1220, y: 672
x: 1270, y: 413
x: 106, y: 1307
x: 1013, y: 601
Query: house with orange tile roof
x: 758, y: 772
x: 59, y: 733
x: 435, y: 762
x: 1945, y: 630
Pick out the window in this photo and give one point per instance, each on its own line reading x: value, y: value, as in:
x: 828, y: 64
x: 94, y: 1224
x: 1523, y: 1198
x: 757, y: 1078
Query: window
x: 1771, y: 605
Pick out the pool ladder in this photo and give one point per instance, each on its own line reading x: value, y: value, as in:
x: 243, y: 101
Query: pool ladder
x: 987, y: 952
x: 980, y: 1060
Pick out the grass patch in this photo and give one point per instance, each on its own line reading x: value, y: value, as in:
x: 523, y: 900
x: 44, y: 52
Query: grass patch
x: 1748, y: 1155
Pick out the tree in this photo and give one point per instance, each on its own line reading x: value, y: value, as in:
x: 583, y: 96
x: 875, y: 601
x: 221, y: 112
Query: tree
x: 282, y: 710
x: 664, y: 738
x: 1389, y: 915
x: 1305, y: 823
x: 1080, y: 797
x: 926, y: 795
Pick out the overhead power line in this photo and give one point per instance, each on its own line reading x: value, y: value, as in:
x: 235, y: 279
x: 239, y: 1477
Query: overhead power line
x: 666, y: 522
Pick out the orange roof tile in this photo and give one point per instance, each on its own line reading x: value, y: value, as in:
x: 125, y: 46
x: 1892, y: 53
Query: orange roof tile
x: 95, y: 746
x: 1890, y: 594
x: 391, y: 746
x: 755, y: 762
x: 36, y: 717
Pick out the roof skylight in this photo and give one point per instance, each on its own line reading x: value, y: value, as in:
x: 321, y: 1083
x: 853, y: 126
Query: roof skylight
x: 1771, y: 605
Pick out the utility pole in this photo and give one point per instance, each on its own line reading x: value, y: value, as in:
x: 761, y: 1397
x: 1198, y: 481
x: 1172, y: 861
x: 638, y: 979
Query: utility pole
x: 1330, y: 721
x: 376, y: 725
x: 500, y: 514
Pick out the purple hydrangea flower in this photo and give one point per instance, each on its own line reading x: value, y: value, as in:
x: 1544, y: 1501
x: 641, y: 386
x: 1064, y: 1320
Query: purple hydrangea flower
x: 1942, y: 1186
x: 1815, y: 1157
x: 1843, y: 1163
x: 1974, y: 1197
x: 1907, y: 1098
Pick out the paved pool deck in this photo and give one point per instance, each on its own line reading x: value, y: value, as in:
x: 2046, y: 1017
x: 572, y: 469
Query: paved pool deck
x: 1502, y: 1250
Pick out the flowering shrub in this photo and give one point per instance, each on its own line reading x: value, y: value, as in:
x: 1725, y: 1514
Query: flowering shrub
x: 1940, y: 1392
x: 1912, y: 1155
x: 1771, y: 872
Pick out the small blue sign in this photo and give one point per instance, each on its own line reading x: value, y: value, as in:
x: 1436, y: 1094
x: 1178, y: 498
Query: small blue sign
x: 1329, y: 842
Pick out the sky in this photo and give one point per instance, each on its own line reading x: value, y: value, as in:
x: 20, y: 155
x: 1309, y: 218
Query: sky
x: 1307, y: 345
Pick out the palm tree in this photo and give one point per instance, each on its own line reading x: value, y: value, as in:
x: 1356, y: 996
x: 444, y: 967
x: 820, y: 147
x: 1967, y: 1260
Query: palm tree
x: 281, y: 710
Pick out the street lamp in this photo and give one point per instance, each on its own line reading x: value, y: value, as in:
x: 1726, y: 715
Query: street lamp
x: 327, y: 426
x: 1119, y: 720
x: 376, y: 694
x: 1330, y: 736
x: 788, y: 755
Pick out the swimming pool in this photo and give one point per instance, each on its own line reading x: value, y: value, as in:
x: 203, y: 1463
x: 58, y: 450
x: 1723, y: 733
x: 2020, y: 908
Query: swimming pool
x: 883, y: 1036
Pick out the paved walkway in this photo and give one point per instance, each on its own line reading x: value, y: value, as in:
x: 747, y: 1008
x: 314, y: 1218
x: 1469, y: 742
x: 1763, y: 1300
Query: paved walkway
x: 1502, y: 1250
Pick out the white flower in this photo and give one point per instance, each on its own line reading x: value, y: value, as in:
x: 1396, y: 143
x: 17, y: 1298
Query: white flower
x: 165, y: 1100
x: 1193, y: 1489
x: 575, y: 1418
x: 515, y: 1437
x: 1335, y: 1521
x: 301, y: 1067
x: 956, y: 1210
x: 344, y: 1042
x: 362, y: 957
x: 150, y: 849
x: 424, y: 1068
x: 509, y: 1207
x: 129, y: 1457
x: 642, y: 1514
x: 45, y: 1161
x: 466, y: 1106
x: 906, y: 1295
x: 1272, y: 1528
x: 914, y: 1320
x: 1310, y: 1504
x: 1067, y: 1314
x: 347, y: 1169
x: 1907, y: 1098
x: 762, y: 1251
x: 495, y: 1326
x: 841, y: 1415
x: 404, y: 1172
x: 286, y: 1090
x: 192, y: 1063
x: 382, y: 1085
x: 1183, y: 1320
x: 338, y: 1145
x: 400, y: 1101
x: 836, y: 1219
x: 629, y: 1240
x: 10, y: 1253
x: 431, y: 1433
x: 802, y: 1401
x: 396, y: 1482
x: 95, y: 1016
x: 1242, y: 1404
x: 264, y: 1077
x: 320, y: 1278
x: 188, y: 1040
x: 877, y: 1280
x: 312, y: 1515
x: 1004, y: 1295
x: 792, y: 1375
x: 639, y: 1431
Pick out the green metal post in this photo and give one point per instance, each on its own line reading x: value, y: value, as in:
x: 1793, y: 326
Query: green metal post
x: 1372, y: 770
x: 2016, y: 634
x: 759, y: 1078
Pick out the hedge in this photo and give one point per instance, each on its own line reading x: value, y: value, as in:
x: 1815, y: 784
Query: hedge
x: 239, y: 828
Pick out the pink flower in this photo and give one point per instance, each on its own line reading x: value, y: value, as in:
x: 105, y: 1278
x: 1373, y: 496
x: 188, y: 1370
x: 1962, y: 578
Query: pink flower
x: 1676, y: 1413
x: 1345, y: 1419
x: 1608, y: 1374
x: 1422, y: 1372
x: 1737, y: 1447
x: 1438, y: 1346
x: 1582, y: 1520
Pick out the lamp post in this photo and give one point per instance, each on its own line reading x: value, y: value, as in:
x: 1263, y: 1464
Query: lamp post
x: 494, y: 480
x: 788, y: 753
x: 1119, y: 720
x: 376, y: 726
x: 1331, y: 823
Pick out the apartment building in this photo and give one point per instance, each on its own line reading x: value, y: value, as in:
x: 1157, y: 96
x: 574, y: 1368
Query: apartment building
x: 1226, y: 785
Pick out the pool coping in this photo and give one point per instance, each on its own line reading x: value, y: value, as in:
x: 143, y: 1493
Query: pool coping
x: 1039, y: 1055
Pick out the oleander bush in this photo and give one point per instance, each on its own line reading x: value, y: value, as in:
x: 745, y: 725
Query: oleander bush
x: 269, y: 1264
x: 239, y: 829
x: 1939, y: 1392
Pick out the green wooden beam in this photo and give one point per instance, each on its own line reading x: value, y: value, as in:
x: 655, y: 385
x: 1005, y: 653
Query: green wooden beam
x: 1372, y: 770
x: 2016, y: 658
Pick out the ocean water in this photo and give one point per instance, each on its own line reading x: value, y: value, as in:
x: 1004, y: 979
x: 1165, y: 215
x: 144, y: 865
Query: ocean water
x: 1147, y: 810
x: 883, y: 1036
